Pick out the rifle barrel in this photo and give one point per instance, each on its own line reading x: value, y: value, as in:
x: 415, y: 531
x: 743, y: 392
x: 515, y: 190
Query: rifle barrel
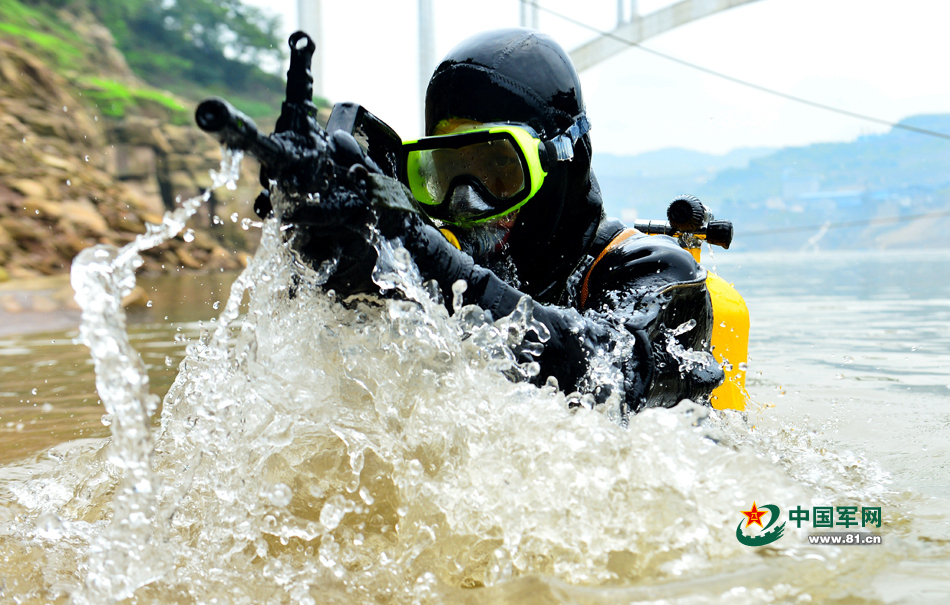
x: 235, y: 130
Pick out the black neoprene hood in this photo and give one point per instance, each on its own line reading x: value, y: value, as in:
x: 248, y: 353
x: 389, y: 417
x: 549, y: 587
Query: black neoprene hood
x: 508, y: 75
x: 523, y: 76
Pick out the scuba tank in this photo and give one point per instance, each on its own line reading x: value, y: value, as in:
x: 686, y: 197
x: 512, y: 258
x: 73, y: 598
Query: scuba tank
x: 691, y: 223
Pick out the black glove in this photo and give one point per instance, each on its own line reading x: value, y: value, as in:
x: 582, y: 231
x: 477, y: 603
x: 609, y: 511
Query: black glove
x: 335, y: 196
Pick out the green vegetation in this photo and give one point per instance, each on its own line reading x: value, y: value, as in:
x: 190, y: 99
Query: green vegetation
x: 192, y: 48
x: 113, y: 99
x: 42, y: 32
x: 208, y: 43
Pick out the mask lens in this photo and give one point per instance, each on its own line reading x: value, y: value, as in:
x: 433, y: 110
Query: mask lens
x: 496, y: 163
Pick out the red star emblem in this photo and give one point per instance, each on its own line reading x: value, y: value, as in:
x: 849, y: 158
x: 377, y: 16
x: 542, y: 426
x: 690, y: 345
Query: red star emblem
x: 754, y: 515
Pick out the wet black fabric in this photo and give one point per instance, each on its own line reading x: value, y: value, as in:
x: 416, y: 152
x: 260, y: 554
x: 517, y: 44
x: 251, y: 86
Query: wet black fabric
x: 642, y: 295
x: 523, y: 76
x: 640, y: 292
x: 656, y: 288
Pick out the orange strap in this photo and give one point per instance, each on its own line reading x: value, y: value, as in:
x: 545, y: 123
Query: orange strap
x: 616, y: 241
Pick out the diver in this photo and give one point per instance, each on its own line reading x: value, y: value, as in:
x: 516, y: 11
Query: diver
x: 510, y: 205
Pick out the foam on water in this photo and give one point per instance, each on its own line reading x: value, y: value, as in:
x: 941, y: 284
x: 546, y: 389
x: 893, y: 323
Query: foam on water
x: 377, y: 451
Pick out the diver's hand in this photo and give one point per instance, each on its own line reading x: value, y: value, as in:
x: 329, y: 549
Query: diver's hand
x: 347, y: 197
x: 327, y: 208
x: 316, y: 165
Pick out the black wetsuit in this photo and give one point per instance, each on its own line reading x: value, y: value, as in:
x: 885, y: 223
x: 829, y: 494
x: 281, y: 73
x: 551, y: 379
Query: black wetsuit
x: 637, y: 294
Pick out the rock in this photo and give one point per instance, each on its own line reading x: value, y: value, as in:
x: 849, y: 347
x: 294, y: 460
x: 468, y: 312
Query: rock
x: 187, y: 259
x: 54, y: 202
x: 28, y: 188
x: 6, y: 241
x: 133, y: 162
x: 10, y: 304
x: 43, y: 304
x: 138, y: 297
x: 154, y: 218
x: 204, y: 240
x: 22, y: 228
x: 161, y: 144
x: 85, y: 214
x: 43, y: 208
x: 63, y: 164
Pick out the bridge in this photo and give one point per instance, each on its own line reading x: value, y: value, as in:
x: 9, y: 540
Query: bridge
x: 631, y: 29
x: 642, y: 27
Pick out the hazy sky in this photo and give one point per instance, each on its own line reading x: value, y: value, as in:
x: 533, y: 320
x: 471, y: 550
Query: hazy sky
x: 882, y: 58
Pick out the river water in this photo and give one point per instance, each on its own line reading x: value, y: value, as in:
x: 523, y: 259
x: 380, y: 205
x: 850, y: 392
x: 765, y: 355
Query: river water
x: 375, y: 453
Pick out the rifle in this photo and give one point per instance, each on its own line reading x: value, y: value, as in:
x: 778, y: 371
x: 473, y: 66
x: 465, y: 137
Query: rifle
x: 296, y: 153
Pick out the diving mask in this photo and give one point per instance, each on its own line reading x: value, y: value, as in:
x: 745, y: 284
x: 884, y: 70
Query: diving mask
x: 505, y: 165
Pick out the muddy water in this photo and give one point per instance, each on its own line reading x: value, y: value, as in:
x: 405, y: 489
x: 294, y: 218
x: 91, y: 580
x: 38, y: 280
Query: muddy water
x: 311, y: 452
x: 47, y: 379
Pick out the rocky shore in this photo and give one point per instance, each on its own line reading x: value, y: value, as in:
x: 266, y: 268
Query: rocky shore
x: 71, y: 176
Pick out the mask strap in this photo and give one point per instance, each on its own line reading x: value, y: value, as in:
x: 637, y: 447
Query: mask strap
x: 564, y: 143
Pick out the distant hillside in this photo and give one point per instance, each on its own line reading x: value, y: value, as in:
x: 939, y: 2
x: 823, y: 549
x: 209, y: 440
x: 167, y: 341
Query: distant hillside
x: 675, y: 161
x: 898, y: 174
x: 644, y: 183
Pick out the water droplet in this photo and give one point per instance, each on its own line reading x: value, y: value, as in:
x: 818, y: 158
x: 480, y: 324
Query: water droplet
x: 366, y: 496
x: 34, y: 391
x: 189, y: 236
x: 280, y: 495
x: 332, y: 512
x: 216, y: 304
x: 106, y: 420
x: 49, y: 527
x: 148, y: 304
x: 68, y: 183
x: 234, y: 217
x: 65, y: 109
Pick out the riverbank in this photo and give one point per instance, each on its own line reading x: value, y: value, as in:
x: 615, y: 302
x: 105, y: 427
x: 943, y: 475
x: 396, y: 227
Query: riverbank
x: 46, y: 304
x: 91, y: 154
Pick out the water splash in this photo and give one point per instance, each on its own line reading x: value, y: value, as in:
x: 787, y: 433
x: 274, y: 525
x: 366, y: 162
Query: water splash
x: 687, y: 359
x: 128, y: 554
x: 384, y: 450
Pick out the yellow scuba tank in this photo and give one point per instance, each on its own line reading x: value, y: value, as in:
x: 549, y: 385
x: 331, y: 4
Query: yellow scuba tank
x: 691, y: 223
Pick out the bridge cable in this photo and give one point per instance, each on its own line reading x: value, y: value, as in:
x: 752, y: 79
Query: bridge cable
x: 739, y: 81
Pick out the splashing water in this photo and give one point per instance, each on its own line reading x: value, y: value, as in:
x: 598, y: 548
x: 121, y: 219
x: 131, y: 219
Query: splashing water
x: 378, y: 451
x: 686, y: 359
